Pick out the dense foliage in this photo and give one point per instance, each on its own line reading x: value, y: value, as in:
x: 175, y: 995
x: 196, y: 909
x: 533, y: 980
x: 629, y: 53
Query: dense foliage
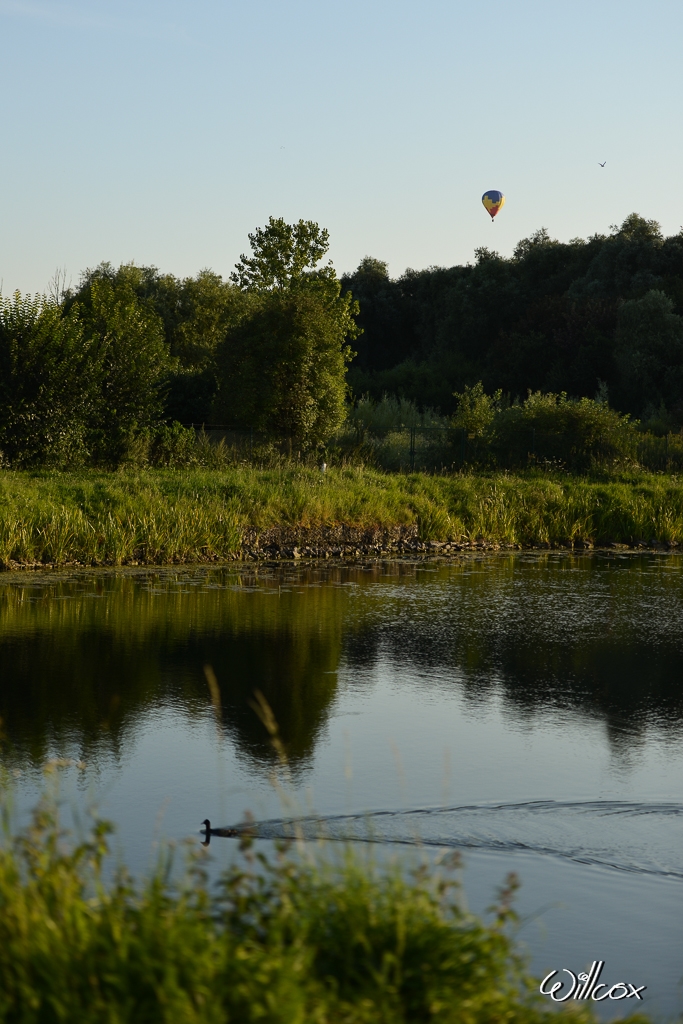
x: 49, y: 382
x: 193, y: 316
x: 99, y: 374
x: 282, y: 371
x: 79, y: 380
x: 598, y: 315
x: 546, y: 429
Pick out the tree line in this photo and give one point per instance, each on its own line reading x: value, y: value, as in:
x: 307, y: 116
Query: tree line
x: 87, y: 371
x: 284, y: 344
x: 597, y: 316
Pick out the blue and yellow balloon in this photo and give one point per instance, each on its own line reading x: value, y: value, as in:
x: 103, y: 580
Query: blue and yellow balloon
x: 493, y: 201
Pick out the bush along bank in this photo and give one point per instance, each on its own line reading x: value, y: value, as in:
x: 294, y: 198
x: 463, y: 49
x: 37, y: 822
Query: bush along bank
x: 167, y: 516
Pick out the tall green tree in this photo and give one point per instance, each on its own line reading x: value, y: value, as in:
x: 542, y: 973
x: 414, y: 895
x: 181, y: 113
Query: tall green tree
x: 285, y: 257
x: 195, y: 312
x: 129, y: 345
x: 649, y: 354
x: 282, y: 368
x: 204, y: 309
x: 49, y: 383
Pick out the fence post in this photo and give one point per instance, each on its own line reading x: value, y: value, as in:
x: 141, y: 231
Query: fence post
x: 666, y: 452
x: 412, y: 449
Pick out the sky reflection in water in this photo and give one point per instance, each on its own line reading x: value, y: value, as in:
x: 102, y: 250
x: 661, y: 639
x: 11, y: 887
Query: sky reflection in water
x: 492, y: 683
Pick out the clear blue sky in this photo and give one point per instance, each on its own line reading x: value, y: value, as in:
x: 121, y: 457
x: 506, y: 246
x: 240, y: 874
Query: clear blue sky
x: 163, y: 132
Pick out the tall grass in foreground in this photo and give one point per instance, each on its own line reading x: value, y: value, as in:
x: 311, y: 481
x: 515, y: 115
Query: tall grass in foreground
x: 166, y: 515
x: 288, y: 938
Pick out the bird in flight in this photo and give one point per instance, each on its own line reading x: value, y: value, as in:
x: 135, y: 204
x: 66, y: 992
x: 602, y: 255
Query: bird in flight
x: 603, y: 164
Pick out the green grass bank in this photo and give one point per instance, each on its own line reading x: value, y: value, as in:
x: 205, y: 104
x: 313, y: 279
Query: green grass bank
x: 284, y: 938
x: 169, y: 515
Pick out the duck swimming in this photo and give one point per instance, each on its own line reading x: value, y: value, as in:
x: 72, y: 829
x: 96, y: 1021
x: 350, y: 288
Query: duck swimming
x: 208, y: 831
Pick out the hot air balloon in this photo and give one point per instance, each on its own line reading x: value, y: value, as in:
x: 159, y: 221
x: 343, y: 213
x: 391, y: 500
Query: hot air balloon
x: 493, y: 201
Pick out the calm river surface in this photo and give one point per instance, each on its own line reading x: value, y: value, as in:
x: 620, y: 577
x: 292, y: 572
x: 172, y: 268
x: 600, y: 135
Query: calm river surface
x: 526, y: 709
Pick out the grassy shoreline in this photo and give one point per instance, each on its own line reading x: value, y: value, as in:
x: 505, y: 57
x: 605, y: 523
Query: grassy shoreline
x: 157, y: 516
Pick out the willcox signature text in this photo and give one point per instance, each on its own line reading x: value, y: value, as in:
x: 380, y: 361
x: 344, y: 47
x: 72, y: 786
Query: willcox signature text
x: 585, y: 986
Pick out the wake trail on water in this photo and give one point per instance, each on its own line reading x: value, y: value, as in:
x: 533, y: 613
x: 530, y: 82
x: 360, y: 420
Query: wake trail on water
x: 646, y: 838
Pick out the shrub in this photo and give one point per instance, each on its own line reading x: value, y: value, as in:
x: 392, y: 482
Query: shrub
x: 547, y: 430
x: 389, y: 415
x: 574, y: 434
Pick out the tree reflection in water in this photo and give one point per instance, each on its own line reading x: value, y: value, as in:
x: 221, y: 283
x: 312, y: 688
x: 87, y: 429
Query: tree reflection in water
x: 84, y: 656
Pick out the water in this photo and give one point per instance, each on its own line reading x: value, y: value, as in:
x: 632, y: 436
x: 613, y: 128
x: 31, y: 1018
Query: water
x: 525, y: 709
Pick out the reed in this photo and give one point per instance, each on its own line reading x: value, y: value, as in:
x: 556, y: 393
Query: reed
x: 285, y: 938
x: 166, y: 515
